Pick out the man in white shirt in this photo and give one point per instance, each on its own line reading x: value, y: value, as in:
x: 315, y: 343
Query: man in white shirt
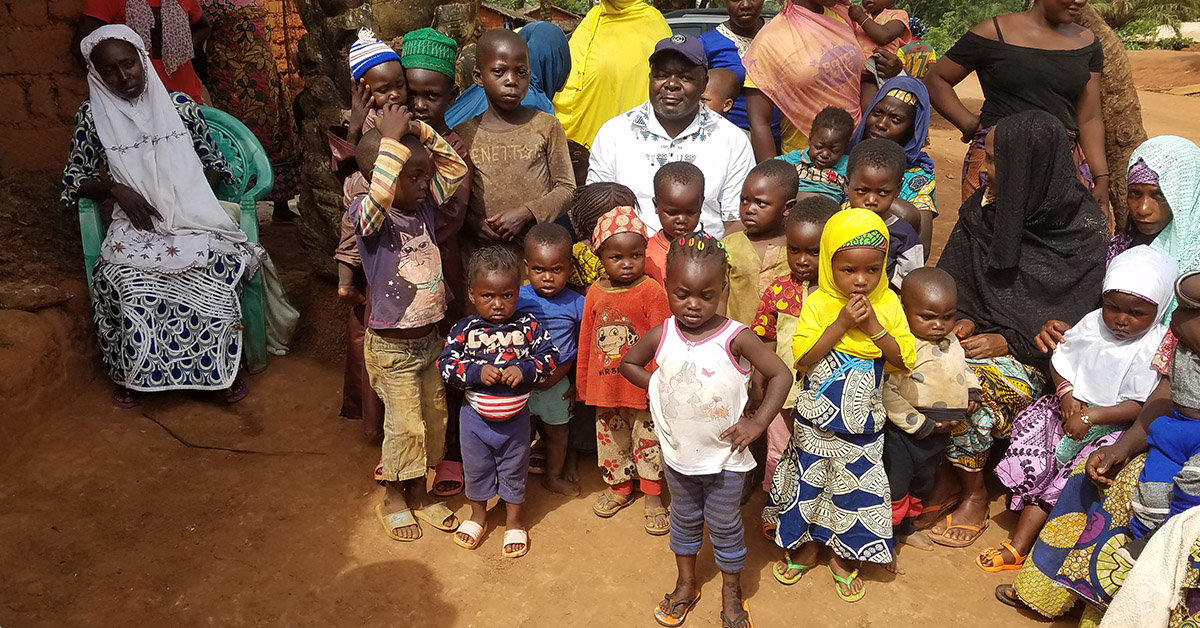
x: 673, y: 126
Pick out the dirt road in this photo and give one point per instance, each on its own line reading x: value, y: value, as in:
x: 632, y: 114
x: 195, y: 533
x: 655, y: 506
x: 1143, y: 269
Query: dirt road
x: 184, y: 512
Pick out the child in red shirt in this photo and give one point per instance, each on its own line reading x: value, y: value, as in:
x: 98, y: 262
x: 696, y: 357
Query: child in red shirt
x: 618, y: 310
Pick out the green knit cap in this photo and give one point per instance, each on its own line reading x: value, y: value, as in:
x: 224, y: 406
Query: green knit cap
x: 428, y: 49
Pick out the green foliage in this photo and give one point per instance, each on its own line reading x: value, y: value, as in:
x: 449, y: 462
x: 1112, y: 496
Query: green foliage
x: 1120, y: 13
x: 1138, y: 31
x: 947, y: 20
x: 938, y: 39
x: 1174, y: 43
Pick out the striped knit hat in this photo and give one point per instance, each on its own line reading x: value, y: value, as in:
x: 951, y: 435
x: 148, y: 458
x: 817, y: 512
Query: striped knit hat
x: 427, y: 49
x: 369, y: 52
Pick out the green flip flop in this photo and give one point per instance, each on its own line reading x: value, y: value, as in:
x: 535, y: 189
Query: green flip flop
x: 839, y: 582
x: 783, y: 577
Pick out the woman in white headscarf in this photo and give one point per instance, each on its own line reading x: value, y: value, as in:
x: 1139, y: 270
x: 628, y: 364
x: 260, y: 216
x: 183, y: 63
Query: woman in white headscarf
x: 165, y: 290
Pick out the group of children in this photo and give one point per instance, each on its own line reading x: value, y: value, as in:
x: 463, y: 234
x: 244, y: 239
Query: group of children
x: 815, y: 324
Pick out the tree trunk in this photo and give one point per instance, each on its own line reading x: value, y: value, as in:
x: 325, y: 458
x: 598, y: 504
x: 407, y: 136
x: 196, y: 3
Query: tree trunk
x: 1123, y: 130
x: 332, y: 26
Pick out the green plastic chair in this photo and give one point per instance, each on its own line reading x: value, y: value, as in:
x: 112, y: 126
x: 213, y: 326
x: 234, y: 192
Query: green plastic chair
x: 252, y: 181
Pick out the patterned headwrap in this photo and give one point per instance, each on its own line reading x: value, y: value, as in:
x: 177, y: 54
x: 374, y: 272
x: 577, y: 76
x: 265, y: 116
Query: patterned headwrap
x: 848, y: 229
x: 1141, y: 174
x: 1176, y: 162
x: 429, y: 49
x: 369, y: 52
x: 617, y: 220
x: 907, y: 98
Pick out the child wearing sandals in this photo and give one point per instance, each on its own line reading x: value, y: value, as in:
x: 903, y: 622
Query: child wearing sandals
x: 697, y: 397
x: 830, y: 487
x: 496, y: 357
x: 618, y: 310
x: 395, y: 225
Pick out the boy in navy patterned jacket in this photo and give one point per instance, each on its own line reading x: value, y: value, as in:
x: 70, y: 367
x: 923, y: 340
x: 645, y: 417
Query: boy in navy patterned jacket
x: 496, y: 357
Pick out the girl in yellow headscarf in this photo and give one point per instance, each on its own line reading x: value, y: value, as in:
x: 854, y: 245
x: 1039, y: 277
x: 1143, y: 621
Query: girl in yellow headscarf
x: 830, y: 487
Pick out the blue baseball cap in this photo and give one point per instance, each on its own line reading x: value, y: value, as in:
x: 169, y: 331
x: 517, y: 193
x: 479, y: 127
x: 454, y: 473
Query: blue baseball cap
x: 688, y: 47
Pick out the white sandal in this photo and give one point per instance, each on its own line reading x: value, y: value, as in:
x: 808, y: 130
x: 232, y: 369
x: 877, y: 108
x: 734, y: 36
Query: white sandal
x: 516, y: 537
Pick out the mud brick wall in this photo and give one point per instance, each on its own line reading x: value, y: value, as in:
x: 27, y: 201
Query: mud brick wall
x: 41, y: 84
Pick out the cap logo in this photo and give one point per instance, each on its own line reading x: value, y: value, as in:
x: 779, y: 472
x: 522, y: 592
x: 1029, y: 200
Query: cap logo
x: 678, y: 39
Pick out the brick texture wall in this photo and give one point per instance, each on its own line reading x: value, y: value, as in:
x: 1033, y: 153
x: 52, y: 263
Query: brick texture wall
x: 41, y: 84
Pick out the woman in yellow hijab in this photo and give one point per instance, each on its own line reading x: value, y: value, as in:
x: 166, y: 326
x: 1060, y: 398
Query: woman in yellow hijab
x: 830, y: 487
x: 610, y: 67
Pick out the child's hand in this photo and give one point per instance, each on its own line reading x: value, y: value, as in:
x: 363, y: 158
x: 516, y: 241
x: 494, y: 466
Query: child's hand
x: 1075, y: 427
x: 512, y: 376
x: 360, y: 106
x: 858, y: 14
x: 944, y: 427
x: 741, y: 435
x: 870, y: 324
x: 853, y: 313
x: 972, y: 407
x: 395, y: 121
x: 511, y: 223
x: 1052, y: 333
x: 489, y: 375
x: 1070, y: 405
x: 964, y: 328
x: 351, y: 296
x: 887, y: 64
x: 137, y: 209
x: 569, y: 396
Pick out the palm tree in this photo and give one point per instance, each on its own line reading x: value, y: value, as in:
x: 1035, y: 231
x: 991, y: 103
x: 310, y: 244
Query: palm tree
x: 1120, y: 13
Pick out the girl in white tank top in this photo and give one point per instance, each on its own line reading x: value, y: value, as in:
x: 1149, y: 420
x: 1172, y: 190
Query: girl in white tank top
x: 697, y: 399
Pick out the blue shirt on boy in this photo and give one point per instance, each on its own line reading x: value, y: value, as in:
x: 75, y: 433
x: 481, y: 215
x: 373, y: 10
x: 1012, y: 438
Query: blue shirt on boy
x: 561, y: 314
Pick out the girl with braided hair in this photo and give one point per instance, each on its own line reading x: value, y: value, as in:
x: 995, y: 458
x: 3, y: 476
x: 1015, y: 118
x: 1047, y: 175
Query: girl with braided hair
x: 698, y: 395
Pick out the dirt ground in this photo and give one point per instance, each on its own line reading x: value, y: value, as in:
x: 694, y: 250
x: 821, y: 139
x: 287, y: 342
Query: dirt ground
x: 185, y: 512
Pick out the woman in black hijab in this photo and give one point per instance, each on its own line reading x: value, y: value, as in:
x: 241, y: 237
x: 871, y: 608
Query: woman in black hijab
x: 1028, y: 247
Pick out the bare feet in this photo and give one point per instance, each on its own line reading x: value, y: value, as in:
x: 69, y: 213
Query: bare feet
x: 920, y: 541
x: 571, y: 466
x: 561, y: 486
x: 894, y: 566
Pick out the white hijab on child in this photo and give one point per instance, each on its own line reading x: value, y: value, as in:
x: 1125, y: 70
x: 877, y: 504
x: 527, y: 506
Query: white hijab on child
x: 150, y: 150
x: 1106, y: 371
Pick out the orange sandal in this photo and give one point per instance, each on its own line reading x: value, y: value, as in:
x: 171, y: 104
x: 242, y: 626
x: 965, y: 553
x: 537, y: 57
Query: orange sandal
x: 941, y: 539
x: 996, y: 558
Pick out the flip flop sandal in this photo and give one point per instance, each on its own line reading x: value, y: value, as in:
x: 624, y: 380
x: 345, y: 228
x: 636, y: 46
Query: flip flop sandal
x: 726, y: 622
x: 437, y: 515
x: 997, y: 560
x: 126, y: 398
x: 941, y: 539
x: 516, y: 537
x: 1009, y: 600
x: 664, y: 613
x: 379, y: 472
x: 448, y: 472
x: 397, y: 520
x: 610, y: 503
x: 473, y: 530
x: 651, y: 515
x: 839, y: 582
x: 782, y: 576
x: 930, y: 510
x: 236, y: 393
x: 768, y: 531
